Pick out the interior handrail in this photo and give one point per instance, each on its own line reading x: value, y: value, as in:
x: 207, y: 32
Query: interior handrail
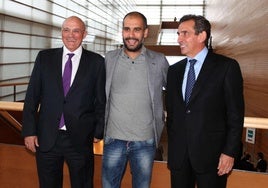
x: 11, y: 121
x: 5, y: 84
x: 249, y: 122
x: 11, y: 106
x: 14, y: 85
x: 256, y: 122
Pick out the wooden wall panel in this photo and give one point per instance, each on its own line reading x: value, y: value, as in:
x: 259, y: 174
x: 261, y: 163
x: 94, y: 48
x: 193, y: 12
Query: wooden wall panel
x: 243, y: 36
x: 18, y: 170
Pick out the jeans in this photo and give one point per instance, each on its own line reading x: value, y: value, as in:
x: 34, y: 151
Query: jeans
x: 117, y: 153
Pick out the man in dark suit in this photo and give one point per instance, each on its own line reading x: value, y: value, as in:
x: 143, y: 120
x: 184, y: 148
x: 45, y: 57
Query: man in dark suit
x: 261, y: 164
x: 81, y: 108
x: 204, y: 133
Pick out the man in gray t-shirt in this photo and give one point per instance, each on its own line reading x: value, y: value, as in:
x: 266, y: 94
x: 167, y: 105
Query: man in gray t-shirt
x: 135, y: 77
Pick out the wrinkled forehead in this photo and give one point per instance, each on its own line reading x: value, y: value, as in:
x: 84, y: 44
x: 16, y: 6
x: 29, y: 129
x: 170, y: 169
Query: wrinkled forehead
x: 186, y: 25
x: 73, y: 22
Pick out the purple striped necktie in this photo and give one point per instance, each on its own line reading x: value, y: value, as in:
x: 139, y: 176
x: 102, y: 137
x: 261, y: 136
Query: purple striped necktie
x: 66, y: 80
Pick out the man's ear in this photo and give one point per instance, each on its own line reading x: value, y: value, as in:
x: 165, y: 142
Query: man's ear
x: 146, y: 32
x: 202, y: 36
x: 85, y: 34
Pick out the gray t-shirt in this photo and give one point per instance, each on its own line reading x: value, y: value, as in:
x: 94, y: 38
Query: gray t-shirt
x: 130, y: 117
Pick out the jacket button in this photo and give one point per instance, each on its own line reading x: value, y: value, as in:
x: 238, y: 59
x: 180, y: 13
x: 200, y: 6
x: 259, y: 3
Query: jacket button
x: 188, y: 111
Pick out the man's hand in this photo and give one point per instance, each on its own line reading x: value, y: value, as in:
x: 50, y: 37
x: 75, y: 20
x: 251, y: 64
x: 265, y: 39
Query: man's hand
x: 225, y: 164
x: 96, y: 140
x: 31, y: 142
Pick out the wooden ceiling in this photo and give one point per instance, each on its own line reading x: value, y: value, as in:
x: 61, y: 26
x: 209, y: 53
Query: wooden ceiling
x: 240, y: 31
x: 239, y: 27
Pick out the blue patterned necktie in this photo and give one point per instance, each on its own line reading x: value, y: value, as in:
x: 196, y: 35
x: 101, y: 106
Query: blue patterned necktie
x: 190, y: 81
x: 66, y: 81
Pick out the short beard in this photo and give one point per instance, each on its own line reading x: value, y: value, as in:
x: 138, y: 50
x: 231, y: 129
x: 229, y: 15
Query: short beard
x: 133, y: 49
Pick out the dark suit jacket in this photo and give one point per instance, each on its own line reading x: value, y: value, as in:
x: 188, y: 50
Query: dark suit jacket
x: 261, y: 165
x: 212, y: 122
x: 83, y: 106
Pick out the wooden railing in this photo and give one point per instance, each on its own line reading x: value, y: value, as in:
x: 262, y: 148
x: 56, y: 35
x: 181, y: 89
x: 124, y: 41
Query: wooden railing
x: 14, y: 85
x: 18, y: 169
x: 11, y: 106
x: 5, y: 106
x: 249, y: 122
x: 23, y: 167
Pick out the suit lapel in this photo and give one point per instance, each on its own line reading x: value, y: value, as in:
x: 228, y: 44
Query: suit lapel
x: 204, y: 74
x: 179, y: 77
x: 81, y: 71
x: 110, y: 67
x: 58, y: 68
x: 150, y: 60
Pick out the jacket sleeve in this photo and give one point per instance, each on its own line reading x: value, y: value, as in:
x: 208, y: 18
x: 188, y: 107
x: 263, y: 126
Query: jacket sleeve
x: 31, y: 102
x: 233, y: 86
x: 100, y: 101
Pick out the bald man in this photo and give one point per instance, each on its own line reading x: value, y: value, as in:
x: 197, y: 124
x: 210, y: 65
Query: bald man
x: 64, y: 115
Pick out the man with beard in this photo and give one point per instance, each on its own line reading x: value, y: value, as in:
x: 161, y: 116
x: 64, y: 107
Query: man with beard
x: 134, y: 116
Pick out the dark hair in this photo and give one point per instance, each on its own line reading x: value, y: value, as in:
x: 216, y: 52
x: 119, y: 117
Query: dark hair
x: 248, y: 156
x: 260, y: 154
x: 138, y: 14
x: 201, y: 24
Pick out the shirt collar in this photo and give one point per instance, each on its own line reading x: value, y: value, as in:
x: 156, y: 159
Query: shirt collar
x: 200, y: 57
x: 77, y: 52
x: 143, y: 50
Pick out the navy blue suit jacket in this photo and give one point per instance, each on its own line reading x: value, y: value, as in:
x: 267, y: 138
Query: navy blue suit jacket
x: 83, y: 107
x: 212, y: 122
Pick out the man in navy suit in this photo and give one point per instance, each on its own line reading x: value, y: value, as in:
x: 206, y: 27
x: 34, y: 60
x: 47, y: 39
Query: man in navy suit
x: 82, y: 108
x: 204, y: 134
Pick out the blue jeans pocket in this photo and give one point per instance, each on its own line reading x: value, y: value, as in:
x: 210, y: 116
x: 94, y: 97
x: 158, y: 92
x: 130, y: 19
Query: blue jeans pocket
x: 108, y: 140
x: 150, y: 141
